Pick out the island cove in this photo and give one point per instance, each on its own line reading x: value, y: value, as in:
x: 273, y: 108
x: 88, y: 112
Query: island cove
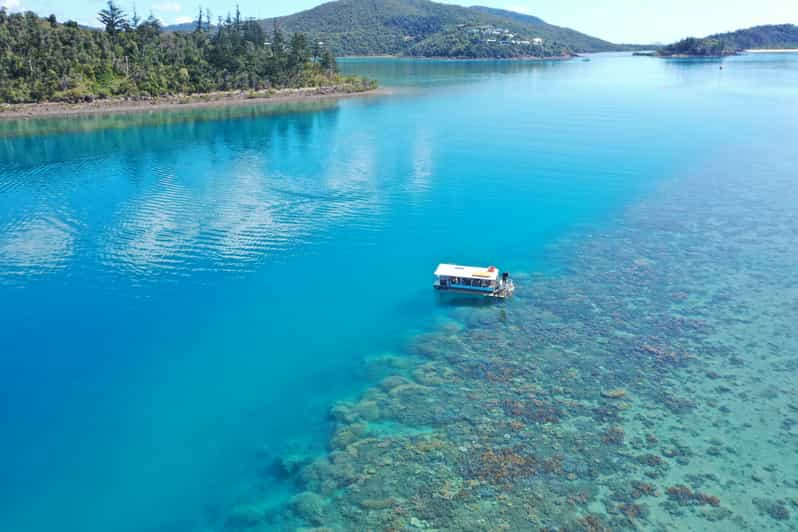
x: 132, y: 64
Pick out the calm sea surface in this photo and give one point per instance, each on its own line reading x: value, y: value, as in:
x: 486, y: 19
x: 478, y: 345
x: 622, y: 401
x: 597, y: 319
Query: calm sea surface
x: 184, y: 295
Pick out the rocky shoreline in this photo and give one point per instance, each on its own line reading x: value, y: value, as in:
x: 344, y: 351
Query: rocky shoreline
x: 206, y: 100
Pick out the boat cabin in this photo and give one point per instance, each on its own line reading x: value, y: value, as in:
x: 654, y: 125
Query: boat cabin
x: 473, y: 280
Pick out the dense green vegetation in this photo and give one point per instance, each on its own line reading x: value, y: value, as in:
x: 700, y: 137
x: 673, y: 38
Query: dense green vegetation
x: 772, y: 36
x: 693, y: 47
x: 422, y: 27
x: 42, y: 59
x: 460, y: 44
x: 762, y: 37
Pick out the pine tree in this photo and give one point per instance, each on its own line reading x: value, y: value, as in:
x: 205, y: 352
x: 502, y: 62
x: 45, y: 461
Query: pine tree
x: 135, y: 20
x: 278, y: 42
x: 199, y: 26
x: 113, y: 18
x: 328, y: 63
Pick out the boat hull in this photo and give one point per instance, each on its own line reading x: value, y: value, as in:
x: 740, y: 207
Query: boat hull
x: 501, y: 293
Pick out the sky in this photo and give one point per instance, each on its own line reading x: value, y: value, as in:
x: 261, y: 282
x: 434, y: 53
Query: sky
x: 620, y: 21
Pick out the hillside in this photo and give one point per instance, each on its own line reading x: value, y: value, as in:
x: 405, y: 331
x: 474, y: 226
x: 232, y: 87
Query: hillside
x: 374, y: 27
x: 761, y: 37
x: 423, y: 27
x: 782, y: 36
x: 579, y: 42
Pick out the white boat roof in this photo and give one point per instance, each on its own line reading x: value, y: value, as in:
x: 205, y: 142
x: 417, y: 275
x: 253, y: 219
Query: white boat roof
x: 471, y: 272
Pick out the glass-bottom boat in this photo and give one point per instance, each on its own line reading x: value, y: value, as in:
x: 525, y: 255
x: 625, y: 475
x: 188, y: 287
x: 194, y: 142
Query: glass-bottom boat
x: 487, y: 282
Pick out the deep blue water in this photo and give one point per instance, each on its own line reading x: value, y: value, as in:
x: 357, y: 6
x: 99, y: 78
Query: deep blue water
x: 182, y: 294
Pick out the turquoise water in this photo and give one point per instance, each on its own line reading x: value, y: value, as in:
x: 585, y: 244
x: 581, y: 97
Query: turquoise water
x: 184, y: 296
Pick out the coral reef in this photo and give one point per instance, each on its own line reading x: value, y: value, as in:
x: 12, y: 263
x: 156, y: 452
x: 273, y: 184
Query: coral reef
x: 616, y: 395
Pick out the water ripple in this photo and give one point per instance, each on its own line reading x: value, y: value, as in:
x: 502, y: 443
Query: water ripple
x: 178, y: 226
x: 35, y: 245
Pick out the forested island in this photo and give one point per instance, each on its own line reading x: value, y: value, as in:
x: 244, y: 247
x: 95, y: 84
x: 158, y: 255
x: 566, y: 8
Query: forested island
x: 44, y: 60
x: 693, y: 47
x: 775, y: 37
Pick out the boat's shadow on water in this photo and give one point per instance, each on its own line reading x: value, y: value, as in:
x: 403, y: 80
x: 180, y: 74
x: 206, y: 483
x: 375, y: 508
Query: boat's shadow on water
x: 465, y: 300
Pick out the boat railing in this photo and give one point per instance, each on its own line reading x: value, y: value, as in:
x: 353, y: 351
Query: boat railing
x: 472, y: 287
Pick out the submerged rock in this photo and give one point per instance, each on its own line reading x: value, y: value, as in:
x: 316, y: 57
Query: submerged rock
x: 368, y: 410
x: 389, y: 383
x: 615, y: 393
x: 308, y: 506
x: 378, y: 504
x: 774, y: 509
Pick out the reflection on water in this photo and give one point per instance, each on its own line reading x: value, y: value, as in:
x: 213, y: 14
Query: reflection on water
x: 94, y: 122
x: 36, y: 245
x: 419, y: 72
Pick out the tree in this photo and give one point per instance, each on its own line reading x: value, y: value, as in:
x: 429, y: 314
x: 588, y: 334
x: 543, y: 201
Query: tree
x: 43, y: 59
x: 328, y: 63
x: 135, y: 20
x: 150, y: 29
x: 278, y: 43
x: 113, y: 18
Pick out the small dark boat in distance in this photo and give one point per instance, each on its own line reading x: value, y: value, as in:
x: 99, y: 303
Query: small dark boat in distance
x: 473, y: 280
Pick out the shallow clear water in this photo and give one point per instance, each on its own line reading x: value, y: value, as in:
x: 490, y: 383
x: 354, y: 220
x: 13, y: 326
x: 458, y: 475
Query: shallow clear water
x: 184, y: 295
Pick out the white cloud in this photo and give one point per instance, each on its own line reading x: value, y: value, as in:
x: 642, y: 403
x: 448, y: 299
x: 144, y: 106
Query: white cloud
x: 11, y: 5
x: 184, y: 20
x: 168, y: 7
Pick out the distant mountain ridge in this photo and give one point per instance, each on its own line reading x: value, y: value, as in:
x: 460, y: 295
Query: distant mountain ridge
x: 425, y: 28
